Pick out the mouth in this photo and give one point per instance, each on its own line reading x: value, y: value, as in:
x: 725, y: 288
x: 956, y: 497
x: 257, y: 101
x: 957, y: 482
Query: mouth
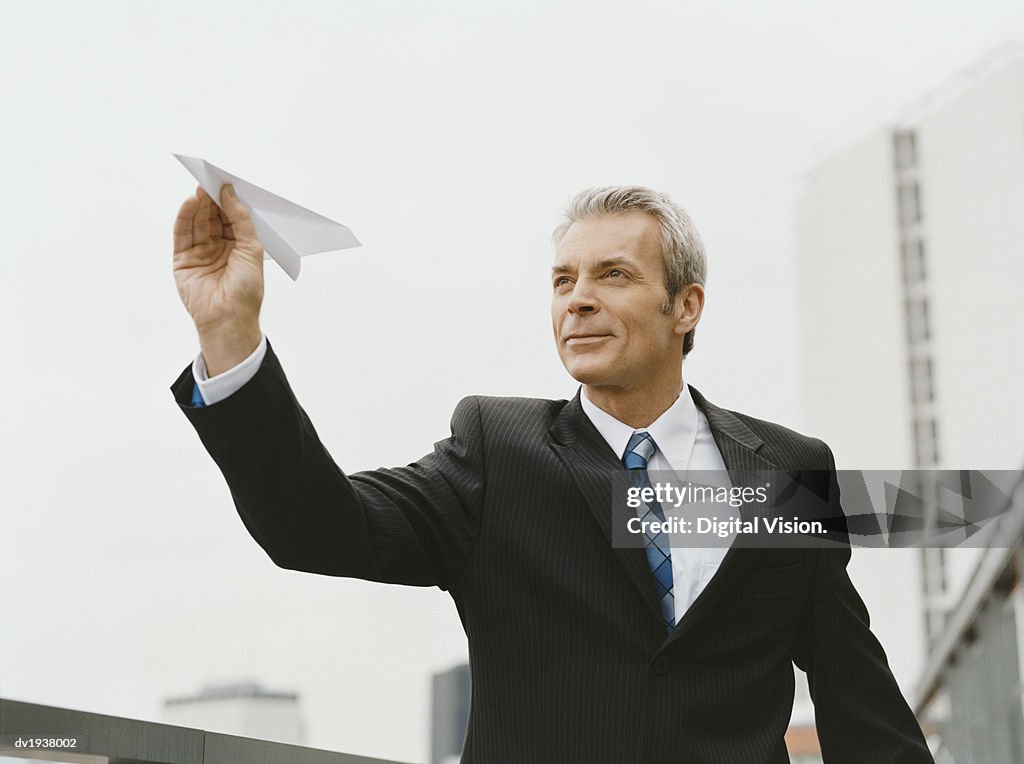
x: 574, y: 340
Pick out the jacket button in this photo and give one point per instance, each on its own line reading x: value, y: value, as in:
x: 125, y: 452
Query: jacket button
x: 661, y: 666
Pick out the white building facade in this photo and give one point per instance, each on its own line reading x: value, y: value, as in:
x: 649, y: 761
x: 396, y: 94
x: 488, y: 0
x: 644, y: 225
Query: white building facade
x: 911, y: 263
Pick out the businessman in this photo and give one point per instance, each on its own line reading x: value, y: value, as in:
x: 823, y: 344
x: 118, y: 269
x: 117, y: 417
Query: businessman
x: 581, y: 650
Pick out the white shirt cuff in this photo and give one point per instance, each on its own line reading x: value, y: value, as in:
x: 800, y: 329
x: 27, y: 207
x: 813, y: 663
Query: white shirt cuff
x: 215, y: 389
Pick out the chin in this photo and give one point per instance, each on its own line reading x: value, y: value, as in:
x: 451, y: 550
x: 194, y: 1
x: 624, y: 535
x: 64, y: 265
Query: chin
x: 588, y: 373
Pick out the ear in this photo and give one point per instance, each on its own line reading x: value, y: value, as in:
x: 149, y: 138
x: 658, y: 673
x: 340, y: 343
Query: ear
x: 689, y: 304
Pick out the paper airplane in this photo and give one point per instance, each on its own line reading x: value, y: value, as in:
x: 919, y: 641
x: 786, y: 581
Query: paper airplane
x: 288, y: 231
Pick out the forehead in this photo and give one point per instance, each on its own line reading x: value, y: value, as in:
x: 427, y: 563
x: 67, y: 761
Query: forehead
x: 634, y: 235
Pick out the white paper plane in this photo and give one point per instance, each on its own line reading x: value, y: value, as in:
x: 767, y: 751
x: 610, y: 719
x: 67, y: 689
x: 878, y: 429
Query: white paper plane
x: 288, y: 231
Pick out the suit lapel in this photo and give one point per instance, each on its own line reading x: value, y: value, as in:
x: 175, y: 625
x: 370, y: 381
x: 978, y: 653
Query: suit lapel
x: 592, y: 464
x: 590, y: 460
x: 738, y: 445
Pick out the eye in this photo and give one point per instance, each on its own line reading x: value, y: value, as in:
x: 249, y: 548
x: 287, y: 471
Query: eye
x: 615, y: 273
x: 561, y: 281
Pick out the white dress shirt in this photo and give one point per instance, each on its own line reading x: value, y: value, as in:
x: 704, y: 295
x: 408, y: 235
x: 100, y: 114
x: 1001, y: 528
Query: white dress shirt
x: 682, y: 434
x: 685, y: 443
x: 215, y: 389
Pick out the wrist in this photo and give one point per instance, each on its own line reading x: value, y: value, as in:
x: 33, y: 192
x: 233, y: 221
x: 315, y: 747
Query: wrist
x: 226, y: 345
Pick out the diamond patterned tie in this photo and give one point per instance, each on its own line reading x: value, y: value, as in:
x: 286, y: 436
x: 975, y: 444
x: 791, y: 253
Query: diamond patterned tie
x: 639, y: 450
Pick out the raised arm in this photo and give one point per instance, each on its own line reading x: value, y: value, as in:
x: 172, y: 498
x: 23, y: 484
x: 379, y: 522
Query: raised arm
x: 411, y: 525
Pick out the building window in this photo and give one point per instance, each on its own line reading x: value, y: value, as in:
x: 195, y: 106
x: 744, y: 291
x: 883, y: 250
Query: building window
x: 909, y: 203
x: 912, y: 255
x: 921, y: 388
x: 905, y: 149
x: 917, y: 319
x: 926, y: 442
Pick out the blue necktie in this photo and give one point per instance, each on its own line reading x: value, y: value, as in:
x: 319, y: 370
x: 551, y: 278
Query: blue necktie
x: 639, y: 450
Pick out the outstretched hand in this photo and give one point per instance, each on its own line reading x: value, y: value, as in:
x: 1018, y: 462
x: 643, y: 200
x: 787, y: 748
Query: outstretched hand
x: 218, y: 268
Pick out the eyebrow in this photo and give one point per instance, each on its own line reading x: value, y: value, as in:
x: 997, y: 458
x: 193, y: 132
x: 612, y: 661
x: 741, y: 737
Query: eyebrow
x: 606, y: 263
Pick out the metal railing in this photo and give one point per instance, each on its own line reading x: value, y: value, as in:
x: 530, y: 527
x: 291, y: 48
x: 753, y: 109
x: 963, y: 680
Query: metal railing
x: 100, y: 739
x: 998, y: 563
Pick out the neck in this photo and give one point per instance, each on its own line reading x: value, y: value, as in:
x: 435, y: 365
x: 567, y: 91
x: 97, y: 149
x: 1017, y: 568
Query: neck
x: 637, y: 408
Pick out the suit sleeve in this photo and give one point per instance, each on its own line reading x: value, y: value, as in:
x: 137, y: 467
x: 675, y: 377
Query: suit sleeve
x: 860, y: 713
x: 410, y: 525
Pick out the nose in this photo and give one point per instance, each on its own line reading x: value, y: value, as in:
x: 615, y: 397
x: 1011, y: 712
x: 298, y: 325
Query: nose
x: 583, y: 299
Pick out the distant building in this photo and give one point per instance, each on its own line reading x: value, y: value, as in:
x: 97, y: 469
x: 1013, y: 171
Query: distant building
x: 450, y: 692
x: 911, y: 260
x: 242, y: 708
x: 910, y: 250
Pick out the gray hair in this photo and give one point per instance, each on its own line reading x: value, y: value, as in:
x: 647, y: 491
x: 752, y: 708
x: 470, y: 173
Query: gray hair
x: 681, y: 245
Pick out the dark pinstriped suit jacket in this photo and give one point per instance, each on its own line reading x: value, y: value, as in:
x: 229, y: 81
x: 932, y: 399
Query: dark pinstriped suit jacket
x: 569, y: 657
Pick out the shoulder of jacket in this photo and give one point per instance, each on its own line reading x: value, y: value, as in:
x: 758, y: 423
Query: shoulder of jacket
x: 769, y: 432
x: 504, y: 407
x: 778, y: 438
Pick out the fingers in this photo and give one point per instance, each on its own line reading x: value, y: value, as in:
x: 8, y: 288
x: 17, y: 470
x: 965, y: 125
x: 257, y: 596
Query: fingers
x: 226, y: 230
x: 201, y: 220
x: 237, y: 216
x: 216, y: 226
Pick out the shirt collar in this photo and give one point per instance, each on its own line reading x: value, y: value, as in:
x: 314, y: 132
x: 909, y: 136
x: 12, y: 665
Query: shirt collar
x: 674, y: 431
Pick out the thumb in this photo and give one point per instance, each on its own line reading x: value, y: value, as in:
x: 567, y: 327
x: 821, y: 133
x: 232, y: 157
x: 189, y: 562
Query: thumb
x: 237, y: 214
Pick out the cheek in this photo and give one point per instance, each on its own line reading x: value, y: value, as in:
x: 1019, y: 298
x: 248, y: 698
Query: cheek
x: 558, y: 310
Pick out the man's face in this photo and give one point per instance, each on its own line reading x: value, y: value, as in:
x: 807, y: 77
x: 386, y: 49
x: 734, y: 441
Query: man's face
x: 608, y: 290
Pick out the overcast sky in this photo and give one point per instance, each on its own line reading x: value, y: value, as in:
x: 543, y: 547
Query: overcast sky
x: 448, y: 135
